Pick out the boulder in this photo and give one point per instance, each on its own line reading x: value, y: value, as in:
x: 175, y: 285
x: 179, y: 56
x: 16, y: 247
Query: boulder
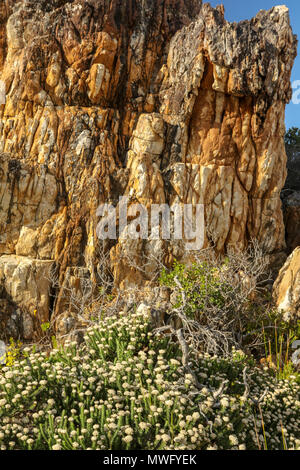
x: 286, y: 291
x: 26, y: 283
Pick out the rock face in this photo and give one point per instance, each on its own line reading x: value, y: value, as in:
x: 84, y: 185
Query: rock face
x: 287, y: 287
x: 159, y: 100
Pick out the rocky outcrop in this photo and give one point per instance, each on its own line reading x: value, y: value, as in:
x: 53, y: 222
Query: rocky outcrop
x: 292, y: 220
x: 287, y: 287
x: 161, y: 101
x: 25, y: 283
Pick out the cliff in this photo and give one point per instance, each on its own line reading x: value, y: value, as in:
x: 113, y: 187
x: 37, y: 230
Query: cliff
x: 163, y: 101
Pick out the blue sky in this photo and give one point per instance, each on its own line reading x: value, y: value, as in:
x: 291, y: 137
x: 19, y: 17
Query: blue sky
x: 237, y: 10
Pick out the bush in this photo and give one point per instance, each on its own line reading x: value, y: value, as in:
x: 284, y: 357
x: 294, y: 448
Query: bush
x: 201, y: 285
x: 125, y: 388
x: 221, y: 303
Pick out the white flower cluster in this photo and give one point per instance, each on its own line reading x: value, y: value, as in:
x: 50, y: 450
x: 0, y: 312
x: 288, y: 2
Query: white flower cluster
x: 126, y: 389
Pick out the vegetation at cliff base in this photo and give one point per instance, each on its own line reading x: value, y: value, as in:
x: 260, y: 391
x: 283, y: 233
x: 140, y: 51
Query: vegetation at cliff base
x: 125, y: 388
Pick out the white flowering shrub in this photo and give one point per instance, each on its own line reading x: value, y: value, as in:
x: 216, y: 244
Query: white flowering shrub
x: 126, y: 388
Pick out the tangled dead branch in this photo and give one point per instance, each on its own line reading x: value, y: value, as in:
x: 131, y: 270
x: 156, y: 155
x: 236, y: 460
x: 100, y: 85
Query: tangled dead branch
x: 215, y: 304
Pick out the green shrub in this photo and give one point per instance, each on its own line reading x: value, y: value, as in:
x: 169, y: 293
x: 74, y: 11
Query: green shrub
x: 201, y: 284
x: 221, y: 303
x: 125, y: 388
x: 225, y: 303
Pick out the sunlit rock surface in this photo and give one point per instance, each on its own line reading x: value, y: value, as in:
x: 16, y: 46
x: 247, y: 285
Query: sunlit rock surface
x: 163, y: 101
x: 287, y: 287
